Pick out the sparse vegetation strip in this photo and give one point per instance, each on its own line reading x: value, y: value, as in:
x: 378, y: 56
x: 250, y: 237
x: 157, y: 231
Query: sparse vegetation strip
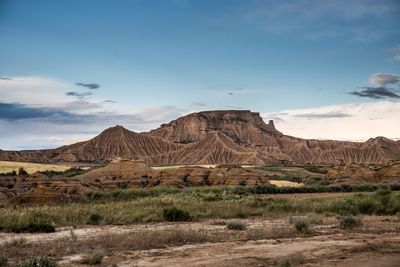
x: 190, y: 205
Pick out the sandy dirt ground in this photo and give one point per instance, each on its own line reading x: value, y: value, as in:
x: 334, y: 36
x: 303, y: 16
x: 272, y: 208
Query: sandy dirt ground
x: 375, y: 243
x: 281, y: 183
x: 329, y: 250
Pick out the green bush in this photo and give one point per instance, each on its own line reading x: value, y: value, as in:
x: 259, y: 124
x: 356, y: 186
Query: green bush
x: 348, y: 222
x: 302, y: 226
x: 236, y: 226
x: 35, y: 222
x: 383, y: 195
x: 3, y: 261
x: 21, y: 171
x: 284, y: 263
x: 94, y: 258
x: 174, y: 215
x: 37, y: 262
x: 67, y: 173
x: 382, y: 202
x: 95, y: 218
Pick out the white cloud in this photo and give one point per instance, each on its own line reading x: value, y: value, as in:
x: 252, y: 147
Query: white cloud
x: 33, y: 90
x: 384, y: 79
x: 36, y: 112
x: 359, y: 121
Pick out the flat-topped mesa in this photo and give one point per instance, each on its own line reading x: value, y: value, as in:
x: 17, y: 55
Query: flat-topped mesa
x: 213, y: 137
x: 237, y: 124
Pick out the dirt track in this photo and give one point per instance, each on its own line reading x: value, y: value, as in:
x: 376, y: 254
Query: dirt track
x: 330, y: 250
x: 265, y: 242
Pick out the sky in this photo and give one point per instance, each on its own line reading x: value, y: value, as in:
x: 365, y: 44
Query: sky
x: 319, y: 69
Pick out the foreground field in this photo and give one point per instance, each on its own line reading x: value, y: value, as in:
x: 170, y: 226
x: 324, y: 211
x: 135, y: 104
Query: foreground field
x: 263, y: 241
x: 218, y: 226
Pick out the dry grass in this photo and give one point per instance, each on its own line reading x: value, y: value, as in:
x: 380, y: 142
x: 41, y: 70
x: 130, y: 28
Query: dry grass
x: 114, y: 243
x: 281, y: 183
x: 198, y: 205
x: 9, y: 166
x: 136, y: 240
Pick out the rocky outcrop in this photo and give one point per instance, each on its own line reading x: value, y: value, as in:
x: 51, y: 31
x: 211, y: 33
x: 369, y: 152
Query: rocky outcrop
x: 136, y: 174
x: 115, y: 142
x: 242, y: 126
x: 353, y: 173
x: 214, y: 137
x: 119, y: 174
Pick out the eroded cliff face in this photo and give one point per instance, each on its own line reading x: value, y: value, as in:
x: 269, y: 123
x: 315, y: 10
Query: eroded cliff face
x: 119, y: 174
x: 116, y: 142
x: 242, y: 126
x: 215, y: 137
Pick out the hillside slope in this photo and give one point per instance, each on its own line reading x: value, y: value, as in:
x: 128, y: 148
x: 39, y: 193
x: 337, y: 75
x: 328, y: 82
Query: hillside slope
x: 214, y: 137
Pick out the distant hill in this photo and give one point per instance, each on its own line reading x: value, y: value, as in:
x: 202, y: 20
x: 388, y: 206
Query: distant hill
x: 214, y: 137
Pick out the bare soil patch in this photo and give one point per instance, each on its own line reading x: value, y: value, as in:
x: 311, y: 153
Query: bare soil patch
x: 264, y: 242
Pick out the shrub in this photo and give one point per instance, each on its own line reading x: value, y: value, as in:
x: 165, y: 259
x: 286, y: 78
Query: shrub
x: 72, y: 236
x: 383, y: 195
x: 284, y: 263
x: 3, y: 261
x: 174, y: 215
x: 94, y: 258
x: 302, y: 225
x: 368, y: 205
x: 240, y: 190
x: 236, y: 226
x: 67, y: 173
x: 37, y: 262
x: 21, y: 171
x: 95, y: 218
x: 40, y: 222
x: 35, y: 222
x: 348, y: 222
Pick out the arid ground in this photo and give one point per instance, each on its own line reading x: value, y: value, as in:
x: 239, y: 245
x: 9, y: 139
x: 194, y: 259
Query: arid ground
x: 209, y: 225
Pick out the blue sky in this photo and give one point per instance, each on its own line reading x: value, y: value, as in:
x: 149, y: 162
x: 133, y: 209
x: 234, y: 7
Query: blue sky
x: 300, y: 62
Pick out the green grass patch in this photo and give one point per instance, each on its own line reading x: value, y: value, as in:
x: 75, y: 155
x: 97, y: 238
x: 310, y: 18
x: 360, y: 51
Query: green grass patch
x: 189, y: 204
x: 27, y: 222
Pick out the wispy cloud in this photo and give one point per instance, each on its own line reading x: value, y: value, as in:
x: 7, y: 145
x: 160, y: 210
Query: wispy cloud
x: 78, y: 95
x: 357, y: 121
x: 48, y: 108
x: 16, y: 111
x: 328, y: 115
x: 109, y: 101
x: 376, y: 93
x: 384, y: 88
x: 89, y: 85
x: 384, y: 79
